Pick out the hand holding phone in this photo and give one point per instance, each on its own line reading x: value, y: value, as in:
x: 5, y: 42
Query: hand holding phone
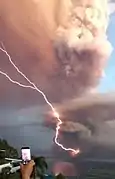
x: 27, y: 170
x: 25, y: 154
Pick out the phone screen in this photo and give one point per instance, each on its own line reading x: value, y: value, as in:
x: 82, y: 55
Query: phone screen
x: 26, y: 154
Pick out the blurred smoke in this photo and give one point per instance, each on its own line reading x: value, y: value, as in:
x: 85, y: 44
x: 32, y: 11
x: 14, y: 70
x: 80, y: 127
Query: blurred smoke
x: 112, y: 6
x: 68, y: 37
x: 65, y: 168
x: 88, y: 123
x: 70, y: 40
x: 79, y: 41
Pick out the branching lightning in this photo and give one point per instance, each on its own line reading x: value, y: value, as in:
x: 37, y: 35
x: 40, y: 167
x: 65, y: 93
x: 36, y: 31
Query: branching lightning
x: 33, y: 86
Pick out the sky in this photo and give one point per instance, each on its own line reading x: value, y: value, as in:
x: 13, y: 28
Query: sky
x: 107, y: 83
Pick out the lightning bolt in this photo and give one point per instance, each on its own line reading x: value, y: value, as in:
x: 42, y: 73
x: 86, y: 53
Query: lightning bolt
x: 34, y: 87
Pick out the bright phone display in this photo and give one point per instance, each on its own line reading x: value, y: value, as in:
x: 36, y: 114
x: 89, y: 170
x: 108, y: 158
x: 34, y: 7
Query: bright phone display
x: 26, y: 154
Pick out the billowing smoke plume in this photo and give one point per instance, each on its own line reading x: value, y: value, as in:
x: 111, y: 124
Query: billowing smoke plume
x: 69, y: 37
x: 88, y: 122
x: 80, y: 36
x: 72, y: 47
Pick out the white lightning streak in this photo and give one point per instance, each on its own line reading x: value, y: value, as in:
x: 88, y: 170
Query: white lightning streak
x: 44, y: 96
x: 15, y: 82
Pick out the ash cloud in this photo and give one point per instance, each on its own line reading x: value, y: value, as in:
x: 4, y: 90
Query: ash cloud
x: 89, y: 123
x: 67, y: 36
x: 79, y: 41
x: 71, y: 48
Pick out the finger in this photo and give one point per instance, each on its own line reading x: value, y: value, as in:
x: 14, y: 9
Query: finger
x: 32, y: 162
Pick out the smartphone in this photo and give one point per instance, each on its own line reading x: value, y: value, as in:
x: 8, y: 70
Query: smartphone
x: 25, y: 154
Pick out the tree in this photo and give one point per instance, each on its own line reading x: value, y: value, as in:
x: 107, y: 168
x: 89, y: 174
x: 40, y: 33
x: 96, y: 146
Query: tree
x: 7, y: 151
x: 41, y: 166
